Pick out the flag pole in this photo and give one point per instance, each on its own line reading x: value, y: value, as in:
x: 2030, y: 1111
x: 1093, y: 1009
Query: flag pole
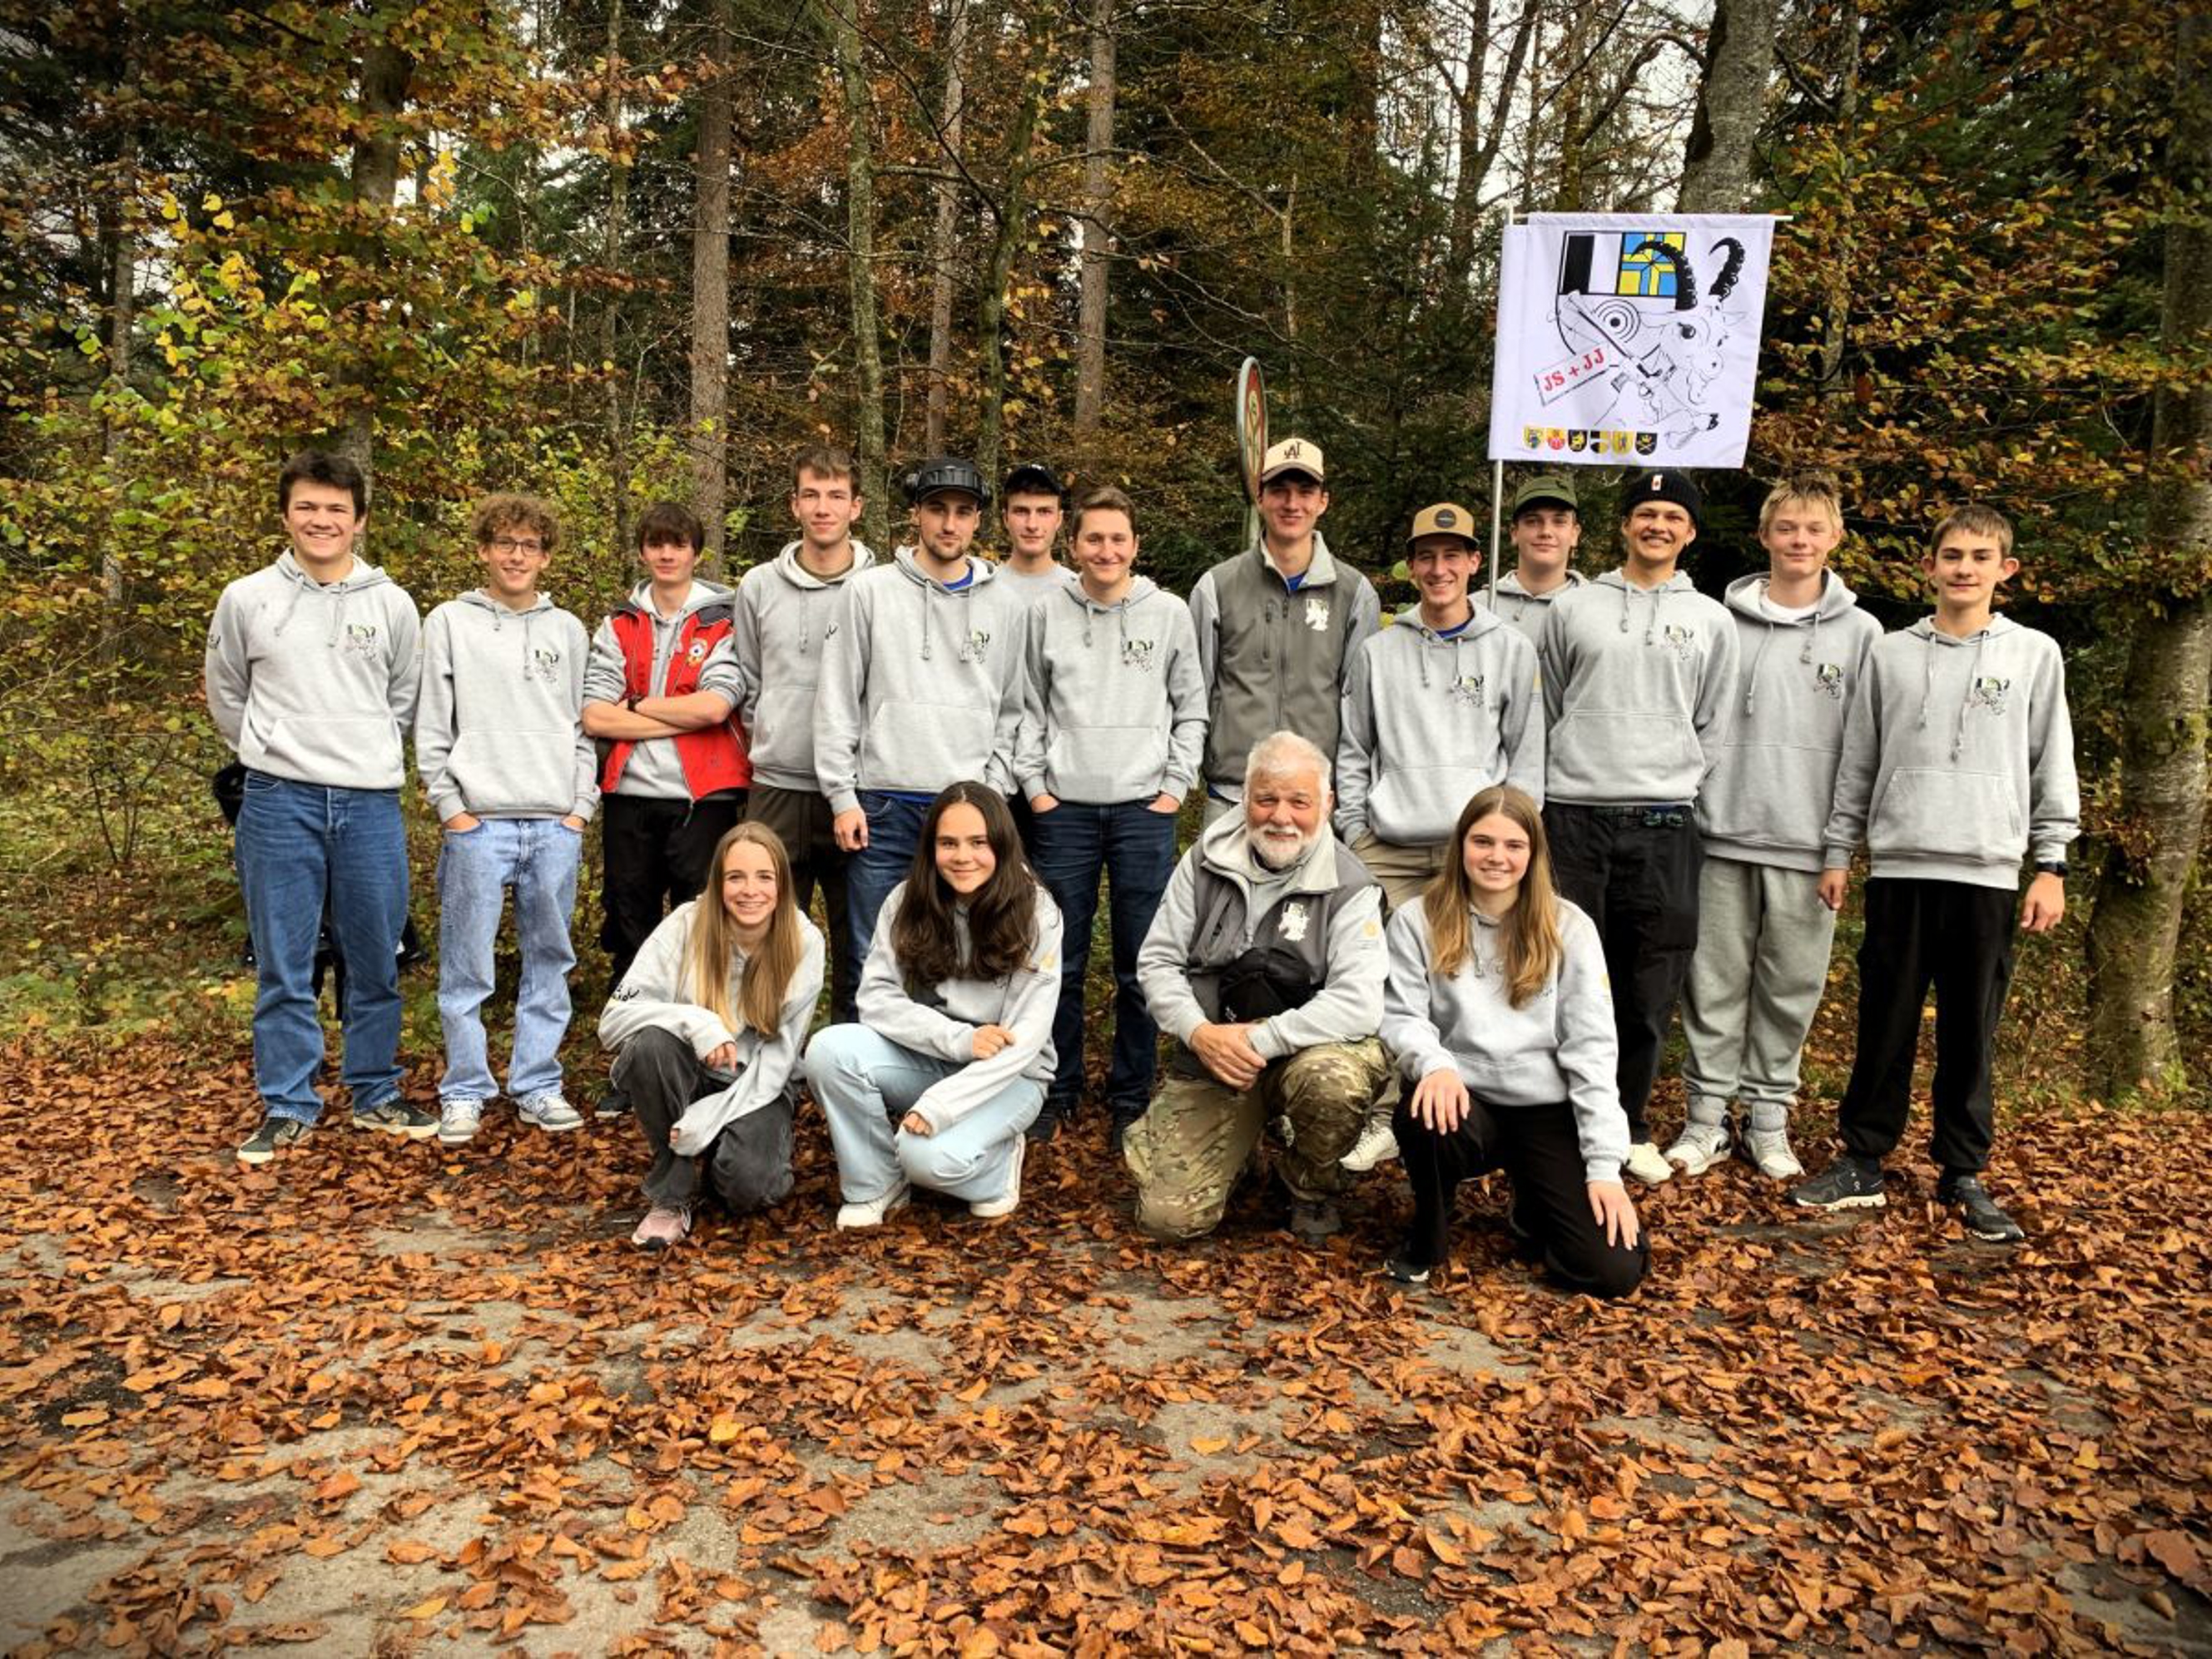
x: 1498, y: 466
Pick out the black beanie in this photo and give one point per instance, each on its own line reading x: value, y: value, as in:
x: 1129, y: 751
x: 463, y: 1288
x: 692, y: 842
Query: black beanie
x: 1663, y: 485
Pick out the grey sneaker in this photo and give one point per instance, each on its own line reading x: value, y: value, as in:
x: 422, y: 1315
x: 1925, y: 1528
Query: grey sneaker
x: 1770, y: 1154
x: 275, y: 1134
x: 871, y: 1212
x: 396, y: 1117
x: 550, y: 1112
x: 1849, y: 1184
x: 1376, y: 1145
x: 1313, y: 1220
x: 1644, y: 1163
x: 1699, y: 1147
x: 990, y: 1209
x: 459, y: 1121
x: 664, y: 1226
x: 1977, y: 1210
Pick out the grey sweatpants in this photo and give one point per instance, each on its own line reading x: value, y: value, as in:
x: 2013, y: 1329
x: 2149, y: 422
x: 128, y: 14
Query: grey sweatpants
x: 1755, y: 983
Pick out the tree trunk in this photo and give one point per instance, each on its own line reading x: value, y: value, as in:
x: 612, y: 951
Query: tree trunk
x: 944, y: 232
x: 614, y: 433
x: 1012, y: 217
x: 841, y: 26
x: 1097, y: 203
x: 710, y: 288
x: 385, y: 73
x: 1481, y: 138
x: 1836, y: 313
x: 1731, y: 105
x: 122, y: 310
x: 2167, y: 706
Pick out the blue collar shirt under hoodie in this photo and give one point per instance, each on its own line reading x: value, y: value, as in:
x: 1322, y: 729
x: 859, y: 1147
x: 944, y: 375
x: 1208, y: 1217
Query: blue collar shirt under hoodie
x: 499, y: 729
x: 1430, y: 719
x: 1959, y: 758
x: 654, y: 771
x: 1768, y: 797
x: 1515, y: 604
x: 941, y: 1020
x: 652, y: 994
x: 1558, y: 1045
x: 922, y: 687
x: 314, y: 681
x: 1639, y: 684
x: 1114, y: 701
x: 785, y: 616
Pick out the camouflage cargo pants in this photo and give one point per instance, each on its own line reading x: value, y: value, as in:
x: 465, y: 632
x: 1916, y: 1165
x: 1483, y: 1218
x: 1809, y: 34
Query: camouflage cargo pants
x: 1187, y: 1150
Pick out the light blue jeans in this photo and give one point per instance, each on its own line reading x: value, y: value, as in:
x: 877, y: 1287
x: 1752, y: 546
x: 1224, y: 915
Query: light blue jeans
x: 867, y: 1082
x: 537, y: 857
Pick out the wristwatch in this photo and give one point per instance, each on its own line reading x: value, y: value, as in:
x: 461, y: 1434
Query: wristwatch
x: 2053, y: 868
x: 630, y: 702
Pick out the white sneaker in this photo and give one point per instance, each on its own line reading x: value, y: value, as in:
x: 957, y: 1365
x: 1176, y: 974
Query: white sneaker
x: 990, y: 1209
x: 459, y: 1121
x: 1770, y: 1154
x: 549, y: 1112
x: 872, y: 1213
x: 1376, y: 1145
x: 1699, y: 1147
x: 1646, y: 1165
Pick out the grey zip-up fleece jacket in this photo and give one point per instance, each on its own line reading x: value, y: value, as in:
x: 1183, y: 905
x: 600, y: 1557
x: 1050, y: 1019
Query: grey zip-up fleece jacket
x: 1114, y: 700
x: 1639, y: 684
x: 943, y: 1022
x: 922, y: 687
x: 652, y: 994
x: 312, y: 683
x: 1429, y: 721
x: 1959, y: 757
x: 653, y: 771
x: 499, y: 727
x: 1276, y: 906
x: 785, y: 617
x: 1559, y: 1045
x: 1515, y: 604
x: 1275, y: 660
x: 1769, y: 794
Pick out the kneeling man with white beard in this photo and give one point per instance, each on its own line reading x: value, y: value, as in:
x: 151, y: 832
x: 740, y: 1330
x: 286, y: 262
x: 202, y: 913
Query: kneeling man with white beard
x: 1265, y: 962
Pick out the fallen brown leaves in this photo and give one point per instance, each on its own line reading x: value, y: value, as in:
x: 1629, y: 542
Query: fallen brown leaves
x: 380, y: 1396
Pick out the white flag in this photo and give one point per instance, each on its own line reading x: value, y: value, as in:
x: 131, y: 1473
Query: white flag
x: 1628, y: 339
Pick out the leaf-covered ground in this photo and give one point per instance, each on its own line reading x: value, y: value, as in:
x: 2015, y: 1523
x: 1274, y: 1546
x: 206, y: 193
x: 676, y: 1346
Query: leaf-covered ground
x: 384, y: 1398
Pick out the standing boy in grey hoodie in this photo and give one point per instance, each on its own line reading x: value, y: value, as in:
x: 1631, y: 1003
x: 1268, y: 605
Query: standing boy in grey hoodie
x: 787, y: 612
x: 499, y: 743
x: 921, y: 689
x: 1547, y: 526
x: 1639, y: 681
x: 661, y: 696
x: 1763, y: 931
x: 311, y: 670
x: 1958, y: 762
x: 1112, y: 731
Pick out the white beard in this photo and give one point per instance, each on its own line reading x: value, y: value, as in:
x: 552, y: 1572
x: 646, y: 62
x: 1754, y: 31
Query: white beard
x: 1275, y: 854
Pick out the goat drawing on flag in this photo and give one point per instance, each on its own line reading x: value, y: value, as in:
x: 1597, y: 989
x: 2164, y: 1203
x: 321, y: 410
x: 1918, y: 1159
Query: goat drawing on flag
x: 1632, y: 298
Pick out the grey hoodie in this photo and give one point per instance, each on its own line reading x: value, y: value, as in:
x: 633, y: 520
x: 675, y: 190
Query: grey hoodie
x: 1114, y: 703
x: 312, y: 683
x: 1558, y: 1045
x: 1518, y: 606
x: 785, y: 614
x: 945, y: 1024
x: 654, y: 771
x: 1429, y: 720
x: 922, y: 687
x: 1767, y: 798
x: 1959, y: 757
x: 1639, y: 684
x: 652, y: 994
x: 499, y: 730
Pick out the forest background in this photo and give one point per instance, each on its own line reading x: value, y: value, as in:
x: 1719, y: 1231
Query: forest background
x: 610, y: 250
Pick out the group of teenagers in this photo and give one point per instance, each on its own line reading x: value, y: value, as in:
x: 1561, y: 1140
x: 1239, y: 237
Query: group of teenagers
x: 1456, y: 870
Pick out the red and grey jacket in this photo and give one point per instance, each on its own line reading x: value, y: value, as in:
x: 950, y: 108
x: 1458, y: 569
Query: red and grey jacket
x: 714, y: 757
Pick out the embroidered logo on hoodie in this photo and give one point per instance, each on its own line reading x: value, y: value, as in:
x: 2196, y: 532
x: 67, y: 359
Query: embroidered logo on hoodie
x: 361, y: 638
x: 1316, y: 613
x: 1467, y: 689
x: 1137, y: 653
x: 1293, y: 922
x: 974, y: 647
x: 1682, y: 641
x: 1829, y: 676
x: 1988, y: 693
x: 545, y: 661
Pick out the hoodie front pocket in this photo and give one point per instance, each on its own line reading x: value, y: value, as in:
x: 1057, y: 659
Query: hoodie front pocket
x: 1769, y: 794
x: 1103, y: 764
x: 926, y: 745
x: 1621, y: 754
x: 514, y: 771
x: 1947, y: 814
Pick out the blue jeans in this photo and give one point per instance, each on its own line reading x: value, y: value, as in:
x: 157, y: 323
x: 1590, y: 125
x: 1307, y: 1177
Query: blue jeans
x: 537, y: 858
x: 866, y: 1082
x: 894, y: 831
x: 1135, y: 847
x: 302, y: 848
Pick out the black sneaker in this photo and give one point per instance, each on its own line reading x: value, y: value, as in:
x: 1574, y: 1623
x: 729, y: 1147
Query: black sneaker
x: 1407, y: 1271
x: 396, y: 1117
x: 1046, y: 1124
x: 1313, y: 1220
x: 1119, y: 1130
x: 1849, y: 1184
x: 275, y: 1134
x: 1977, y: 1210
x: 613, y: 1105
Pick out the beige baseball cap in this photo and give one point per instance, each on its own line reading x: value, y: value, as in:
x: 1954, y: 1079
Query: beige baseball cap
x: 1292, y: 455
x: 1444, y: 519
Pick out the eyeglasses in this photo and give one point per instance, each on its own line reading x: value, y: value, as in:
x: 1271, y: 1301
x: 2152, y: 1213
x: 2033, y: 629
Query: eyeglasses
x: 516, y: 544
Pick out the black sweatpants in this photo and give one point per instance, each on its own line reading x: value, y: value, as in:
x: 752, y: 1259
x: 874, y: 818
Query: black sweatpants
x: 802, y: 821
x: 750, y: 1162
x: 1542, y: 1156
x: 1635, y: 871
x: 1957, y: 938
x: 654, y: 853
